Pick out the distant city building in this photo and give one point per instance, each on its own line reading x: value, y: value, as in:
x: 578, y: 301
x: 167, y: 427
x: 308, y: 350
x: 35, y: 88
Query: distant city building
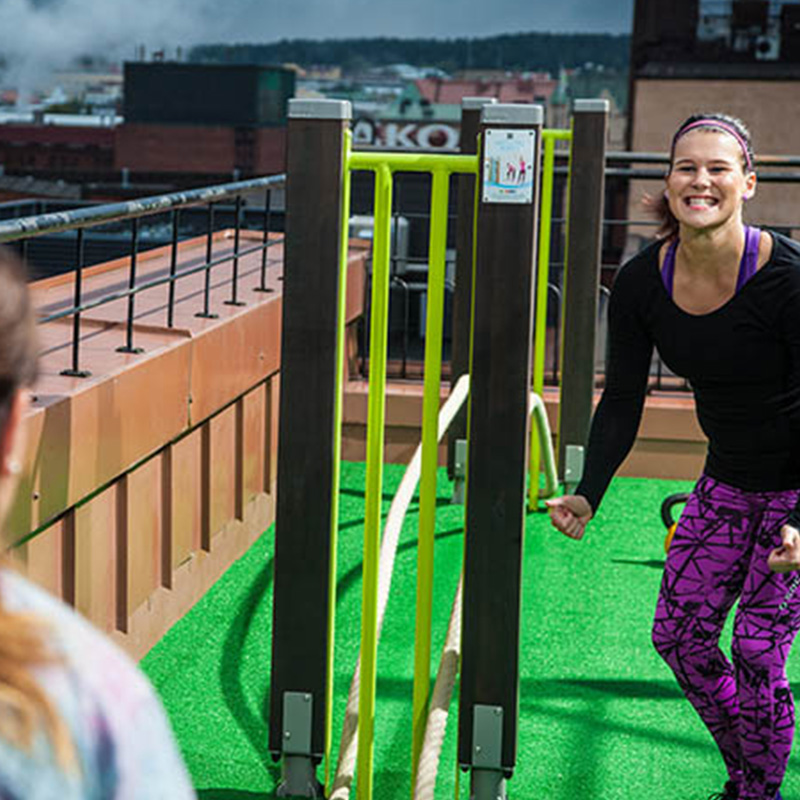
x: 427, y: 114
x: 533, y: 87
x: 183, y: 125
x: 741, y: 57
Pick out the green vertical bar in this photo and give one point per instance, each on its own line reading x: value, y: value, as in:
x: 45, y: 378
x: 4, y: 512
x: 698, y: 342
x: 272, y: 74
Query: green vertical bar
x: 372, y: 515
x: 549, y: 139
x: 434, y: 327
x: 337, y: 449
x: 564, y: 278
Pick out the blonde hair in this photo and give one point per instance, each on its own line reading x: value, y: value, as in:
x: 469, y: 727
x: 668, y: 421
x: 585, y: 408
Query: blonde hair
x: 25, y: 708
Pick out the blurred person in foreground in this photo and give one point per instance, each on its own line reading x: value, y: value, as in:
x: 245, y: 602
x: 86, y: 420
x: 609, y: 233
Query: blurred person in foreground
x: 720, y: 300
x: 77, y: 718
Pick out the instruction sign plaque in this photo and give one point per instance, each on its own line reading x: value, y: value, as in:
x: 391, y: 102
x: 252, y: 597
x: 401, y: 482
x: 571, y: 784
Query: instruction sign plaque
x: 508, y: 166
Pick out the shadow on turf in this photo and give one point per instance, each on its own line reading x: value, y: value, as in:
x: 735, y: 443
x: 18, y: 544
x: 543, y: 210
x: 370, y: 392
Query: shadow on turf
x: 351, y: 576
x: 232, y: 794
x: 653, y: 563
x: 412, y: 509
x: 252, y: 725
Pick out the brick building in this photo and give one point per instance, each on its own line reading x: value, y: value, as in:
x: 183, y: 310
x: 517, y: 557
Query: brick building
x: 184, y: 125
x: 741, y: 57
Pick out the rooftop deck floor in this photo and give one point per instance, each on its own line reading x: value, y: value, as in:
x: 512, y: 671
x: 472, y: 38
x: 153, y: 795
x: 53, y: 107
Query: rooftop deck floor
x: 601, y: 717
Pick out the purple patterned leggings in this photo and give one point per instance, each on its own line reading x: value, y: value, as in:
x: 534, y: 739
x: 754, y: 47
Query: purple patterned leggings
x: 719, y: 553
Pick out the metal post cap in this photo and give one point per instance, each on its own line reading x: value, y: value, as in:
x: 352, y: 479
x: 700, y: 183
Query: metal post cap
x: 595, y: 104
x: 320, y: 109
x: 512, y: 114
x: 476, y: 103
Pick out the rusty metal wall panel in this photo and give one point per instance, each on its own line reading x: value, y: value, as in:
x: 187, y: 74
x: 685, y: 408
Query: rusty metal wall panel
x: 144, y: 525
x: 254, y: 442
x: 48, y: 558
x: 186, y: 468
x: 271, y: 434
x: 97, y: 573
x: 222, y: 466
x: 51, y: 558
x: 228, y: 360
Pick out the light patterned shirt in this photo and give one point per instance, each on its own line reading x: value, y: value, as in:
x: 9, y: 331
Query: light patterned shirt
x: 124, y: 744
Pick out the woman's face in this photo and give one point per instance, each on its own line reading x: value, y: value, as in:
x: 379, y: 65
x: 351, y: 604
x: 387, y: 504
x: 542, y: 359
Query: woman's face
x: 707, y: 183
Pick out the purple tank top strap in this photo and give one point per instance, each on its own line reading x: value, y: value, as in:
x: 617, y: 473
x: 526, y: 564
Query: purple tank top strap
x: 749, y: 264
x: 668, y: 267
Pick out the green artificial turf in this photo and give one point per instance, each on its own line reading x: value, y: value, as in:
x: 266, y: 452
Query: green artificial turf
x: 601, y: 717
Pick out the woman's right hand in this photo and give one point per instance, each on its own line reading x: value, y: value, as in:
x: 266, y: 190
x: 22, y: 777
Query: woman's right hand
x: 570, y: 514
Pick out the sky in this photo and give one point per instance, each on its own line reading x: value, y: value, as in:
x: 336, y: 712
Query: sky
x: 37, y: 36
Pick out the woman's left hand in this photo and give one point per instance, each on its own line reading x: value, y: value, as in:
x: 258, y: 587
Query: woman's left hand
x: 786, y: 558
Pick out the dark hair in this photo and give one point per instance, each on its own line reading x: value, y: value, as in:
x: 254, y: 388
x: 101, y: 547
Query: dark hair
x: 659, y: 206
x: 18, y: 344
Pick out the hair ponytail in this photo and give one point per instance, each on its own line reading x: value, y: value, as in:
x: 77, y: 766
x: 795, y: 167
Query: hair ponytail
x: 658, y: 207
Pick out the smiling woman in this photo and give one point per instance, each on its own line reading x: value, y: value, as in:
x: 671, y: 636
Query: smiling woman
x: 720, y: 300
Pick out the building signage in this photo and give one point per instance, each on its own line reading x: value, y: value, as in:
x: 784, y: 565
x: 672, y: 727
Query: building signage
x: 407, y: 135
x: 508, y: 166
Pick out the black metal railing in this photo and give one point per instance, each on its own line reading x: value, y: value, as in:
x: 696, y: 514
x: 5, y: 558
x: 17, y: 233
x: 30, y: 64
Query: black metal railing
x: 622, y: 236
x: 21, y: 230
x: 211, y: 208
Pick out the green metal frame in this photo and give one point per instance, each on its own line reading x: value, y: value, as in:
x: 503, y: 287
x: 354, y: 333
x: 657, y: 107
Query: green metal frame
x: 441, y: 167
x: 549, y: 139
x: 337, y: 451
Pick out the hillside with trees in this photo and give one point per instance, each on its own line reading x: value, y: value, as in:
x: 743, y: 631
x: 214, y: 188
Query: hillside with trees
x: 524, y: 51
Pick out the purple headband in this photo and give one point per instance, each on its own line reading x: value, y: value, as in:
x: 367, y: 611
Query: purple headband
x: 715, y: 123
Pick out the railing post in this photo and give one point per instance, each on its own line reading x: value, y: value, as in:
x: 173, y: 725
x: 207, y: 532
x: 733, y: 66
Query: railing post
x: 304, y: 566
x: 206, y: 313
x: 500, y: 381
x: 581, y: 284
x: 262, y: 286
x: 128, y: 346
x: 75, y: 371
x: 173, y: 267
x: 235, y: 301
x: 462, y: 297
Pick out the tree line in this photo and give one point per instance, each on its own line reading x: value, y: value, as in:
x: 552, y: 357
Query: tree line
x: 524, y: 51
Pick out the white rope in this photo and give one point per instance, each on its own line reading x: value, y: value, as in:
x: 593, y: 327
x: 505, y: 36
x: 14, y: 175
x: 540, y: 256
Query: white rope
x: 348, y: 747
x: 436, y: 726
x: 538, y: 410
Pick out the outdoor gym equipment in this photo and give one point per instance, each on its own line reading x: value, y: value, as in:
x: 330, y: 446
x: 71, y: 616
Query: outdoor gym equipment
x: 500, y: 353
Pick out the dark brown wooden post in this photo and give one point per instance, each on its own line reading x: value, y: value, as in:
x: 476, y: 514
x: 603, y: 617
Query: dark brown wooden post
x: 500, y: 387
x: 306, y: 434
x: 462, y: 297
x: 581, y: 284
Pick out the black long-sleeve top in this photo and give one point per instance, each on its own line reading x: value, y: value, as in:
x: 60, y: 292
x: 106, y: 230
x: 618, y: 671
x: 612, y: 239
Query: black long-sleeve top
x: 742, y: 360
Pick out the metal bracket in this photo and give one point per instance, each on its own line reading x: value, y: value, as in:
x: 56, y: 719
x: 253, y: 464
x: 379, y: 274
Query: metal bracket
x: 460, y: 472
x: 573, y: 467
x: 488, y: 780
x: 297, y: 715
x: 299, y: 778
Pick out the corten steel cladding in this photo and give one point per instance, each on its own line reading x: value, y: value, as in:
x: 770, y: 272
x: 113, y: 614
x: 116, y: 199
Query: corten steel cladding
x: 498, y: 430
